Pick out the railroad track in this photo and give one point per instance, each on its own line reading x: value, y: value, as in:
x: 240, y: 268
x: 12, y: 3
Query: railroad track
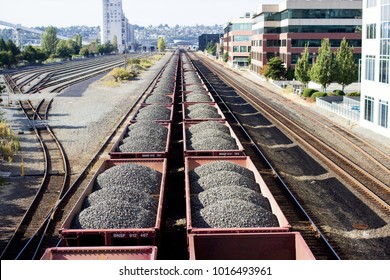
x: 56, y: 78
x: 30, y: 230
x: 46, y: 234
x: 295, y: 212
x: 363, y: 181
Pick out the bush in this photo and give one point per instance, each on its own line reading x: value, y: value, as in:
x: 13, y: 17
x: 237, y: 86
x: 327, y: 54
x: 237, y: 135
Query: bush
x: 353, y: 94
x: 318, y: 94
x: 121, y: 74
x: 338, y: 92
x: 308, y: 92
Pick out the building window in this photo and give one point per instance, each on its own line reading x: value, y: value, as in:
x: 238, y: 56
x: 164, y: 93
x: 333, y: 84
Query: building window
x: 384, y: 113
x: 371, y: 3
x: 370, y: 67
x: 369, y: 109
x: 371, y: 31
x: 384, y: 70
x: 284, y: 43
x: 241, y: 38
x: 243, y: 49
x: 273, y: 43
x: 236, y: 49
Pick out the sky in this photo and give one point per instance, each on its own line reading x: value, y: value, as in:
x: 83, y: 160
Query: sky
x: 64, y: 13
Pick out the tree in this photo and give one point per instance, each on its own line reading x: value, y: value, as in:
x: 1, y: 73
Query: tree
x: 50, y: 40
x: 302, y: 69
x: 225, y: 57
x: 63, y: 50
x: 346, y: 68
x: 84, y: 51
x: 322, y: 71
x: 276, y: 69
x: 3, y: 45
x: 12, y: 48
x: 211, y: 48
x: 30, y: 54
x: 79, y: 43
x: 161, y: 46
x: 115, y: 43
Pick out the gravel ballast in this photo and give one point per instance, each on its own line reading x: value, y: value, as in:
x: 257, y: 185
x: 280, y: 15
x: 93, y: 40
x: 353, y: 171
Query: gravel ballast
x: 233, y: 213
x: 132, y: 175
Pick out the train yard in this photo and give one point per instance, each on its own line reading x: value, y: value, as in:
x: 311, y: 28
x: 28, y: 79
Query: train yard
x: 220, y: 169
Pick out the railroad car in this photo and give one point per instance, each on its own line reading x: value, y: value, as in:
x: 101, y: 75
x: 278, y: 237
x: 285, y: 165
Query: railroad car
x: 249, y: 246
x: 244, y: 161
x: 115, y: 237
x: 115, y: 153
x: 141, y: 253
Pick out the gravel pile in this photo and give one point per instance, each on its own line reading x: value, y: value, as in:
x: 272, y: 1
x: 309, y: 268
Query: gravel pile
x: 223, y: 178
x: 135, y: 176
x: 144, y: 137
x: 142, y: 146
x: 122, y: 193
x: 208, y: 125
x: 122, y: 199
x: 233, y: 213
x: 202, y: 111
x: 223, y: 198
x: 197, y: 97
x: 154, y: 112
x: 191, y: 78
x: 210, y: 136
x: 166, y: 85
x: 216, y: 194
x: 216, y: 166
x: 196, y: 88
x: 150, y: 127
x: 158, y: 99
x: 115, y: 214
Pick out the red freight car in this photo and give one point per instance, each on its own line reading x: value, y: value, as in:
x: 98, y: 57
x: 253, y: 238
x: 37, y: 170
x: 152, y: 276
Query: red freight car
x: 249, y: 246
x: 115, y: 237
x: 244, y: 161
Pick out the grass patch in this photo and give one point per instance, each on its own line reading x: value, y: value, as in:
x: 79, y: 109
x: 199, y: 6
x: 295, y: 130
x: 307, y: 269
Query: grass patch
x: 9, y: 142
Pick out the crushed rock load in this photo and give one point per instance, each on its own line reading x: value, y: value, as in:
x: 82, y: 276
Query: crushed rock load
x: 210, y: 136
x: 125, y: 196
x: 158, y: 99
x: 144, y: 137
x: 154, y: 112
x: 202, y: 111
x: 115, y: 214
x: 233, y: 213
x: 197, y: 97
x: 130, y: 175
x: 226, y: 195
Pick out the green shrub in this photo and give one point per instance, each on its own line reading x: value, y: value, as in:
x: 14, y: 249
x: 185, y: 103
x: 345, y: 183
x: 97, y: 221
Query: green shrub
x: 338, y: 92
x: 121, y: 74
x: 318, y: 94
x: 308, y: 92
x: 353, y: 94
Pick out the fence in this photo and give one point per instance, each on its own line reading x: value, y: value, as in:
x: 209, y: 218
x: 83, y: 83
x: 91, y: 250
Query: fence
x: 344, y: 106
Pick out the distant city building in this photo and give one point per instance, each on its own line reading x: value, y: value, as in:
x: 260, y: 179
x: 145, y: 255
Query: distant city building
x: 284, y: 29
x: 237, y: 40
x: 375, y: 73
x: 115, y: 24
x: 205, y: 39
